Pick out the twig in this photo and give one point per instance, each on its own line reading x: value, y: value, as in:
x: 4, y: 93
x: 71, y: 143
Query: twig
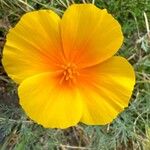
x: 143, y: 81
x: 74, y: 147
x: 93, y: 1
x: 4, y: 79
x: 16, y: 121
x: 147, y: 25
x: 27, y: 5
x: 62, y: 3
x: 68, y: 4
x: 83, y: 1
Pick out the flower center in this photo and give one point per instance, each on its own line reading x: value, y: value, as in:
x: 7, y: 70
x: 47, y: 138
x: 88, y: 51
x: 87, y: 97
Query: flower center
x: 69, y: 73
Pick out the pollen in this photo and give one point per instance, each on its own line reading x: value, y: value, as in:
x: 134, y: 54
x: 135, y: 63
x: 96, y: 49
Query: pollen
x: 69, y: 73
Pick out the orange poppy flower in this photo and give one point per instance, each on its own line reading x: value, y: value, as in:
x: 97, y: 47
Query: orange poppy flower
x: 66, y: 68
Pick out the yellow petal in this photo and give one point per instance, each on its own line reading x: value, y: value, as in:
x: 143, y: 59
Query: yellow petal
x: 48, y: 104
x: 107, y: 90
x: 32, y: 45
x: 90, y: 35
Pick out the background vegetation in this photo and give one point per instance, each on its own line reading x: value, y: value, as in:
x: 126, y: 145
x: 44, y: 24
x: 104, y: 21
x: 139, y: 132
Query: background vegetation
x: 130, y: 131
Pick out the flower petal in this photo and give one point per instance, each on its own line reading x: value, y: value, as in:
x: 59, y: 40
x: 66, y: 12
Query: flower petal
x: 48, y: 104
x: 32, y: 45
x: 90, y: 35
x: 109, y: 86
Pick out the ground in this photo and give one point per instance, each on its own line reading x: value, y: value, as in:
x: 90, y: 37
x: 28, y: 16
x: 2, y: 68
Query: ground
x: 130, y: 131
